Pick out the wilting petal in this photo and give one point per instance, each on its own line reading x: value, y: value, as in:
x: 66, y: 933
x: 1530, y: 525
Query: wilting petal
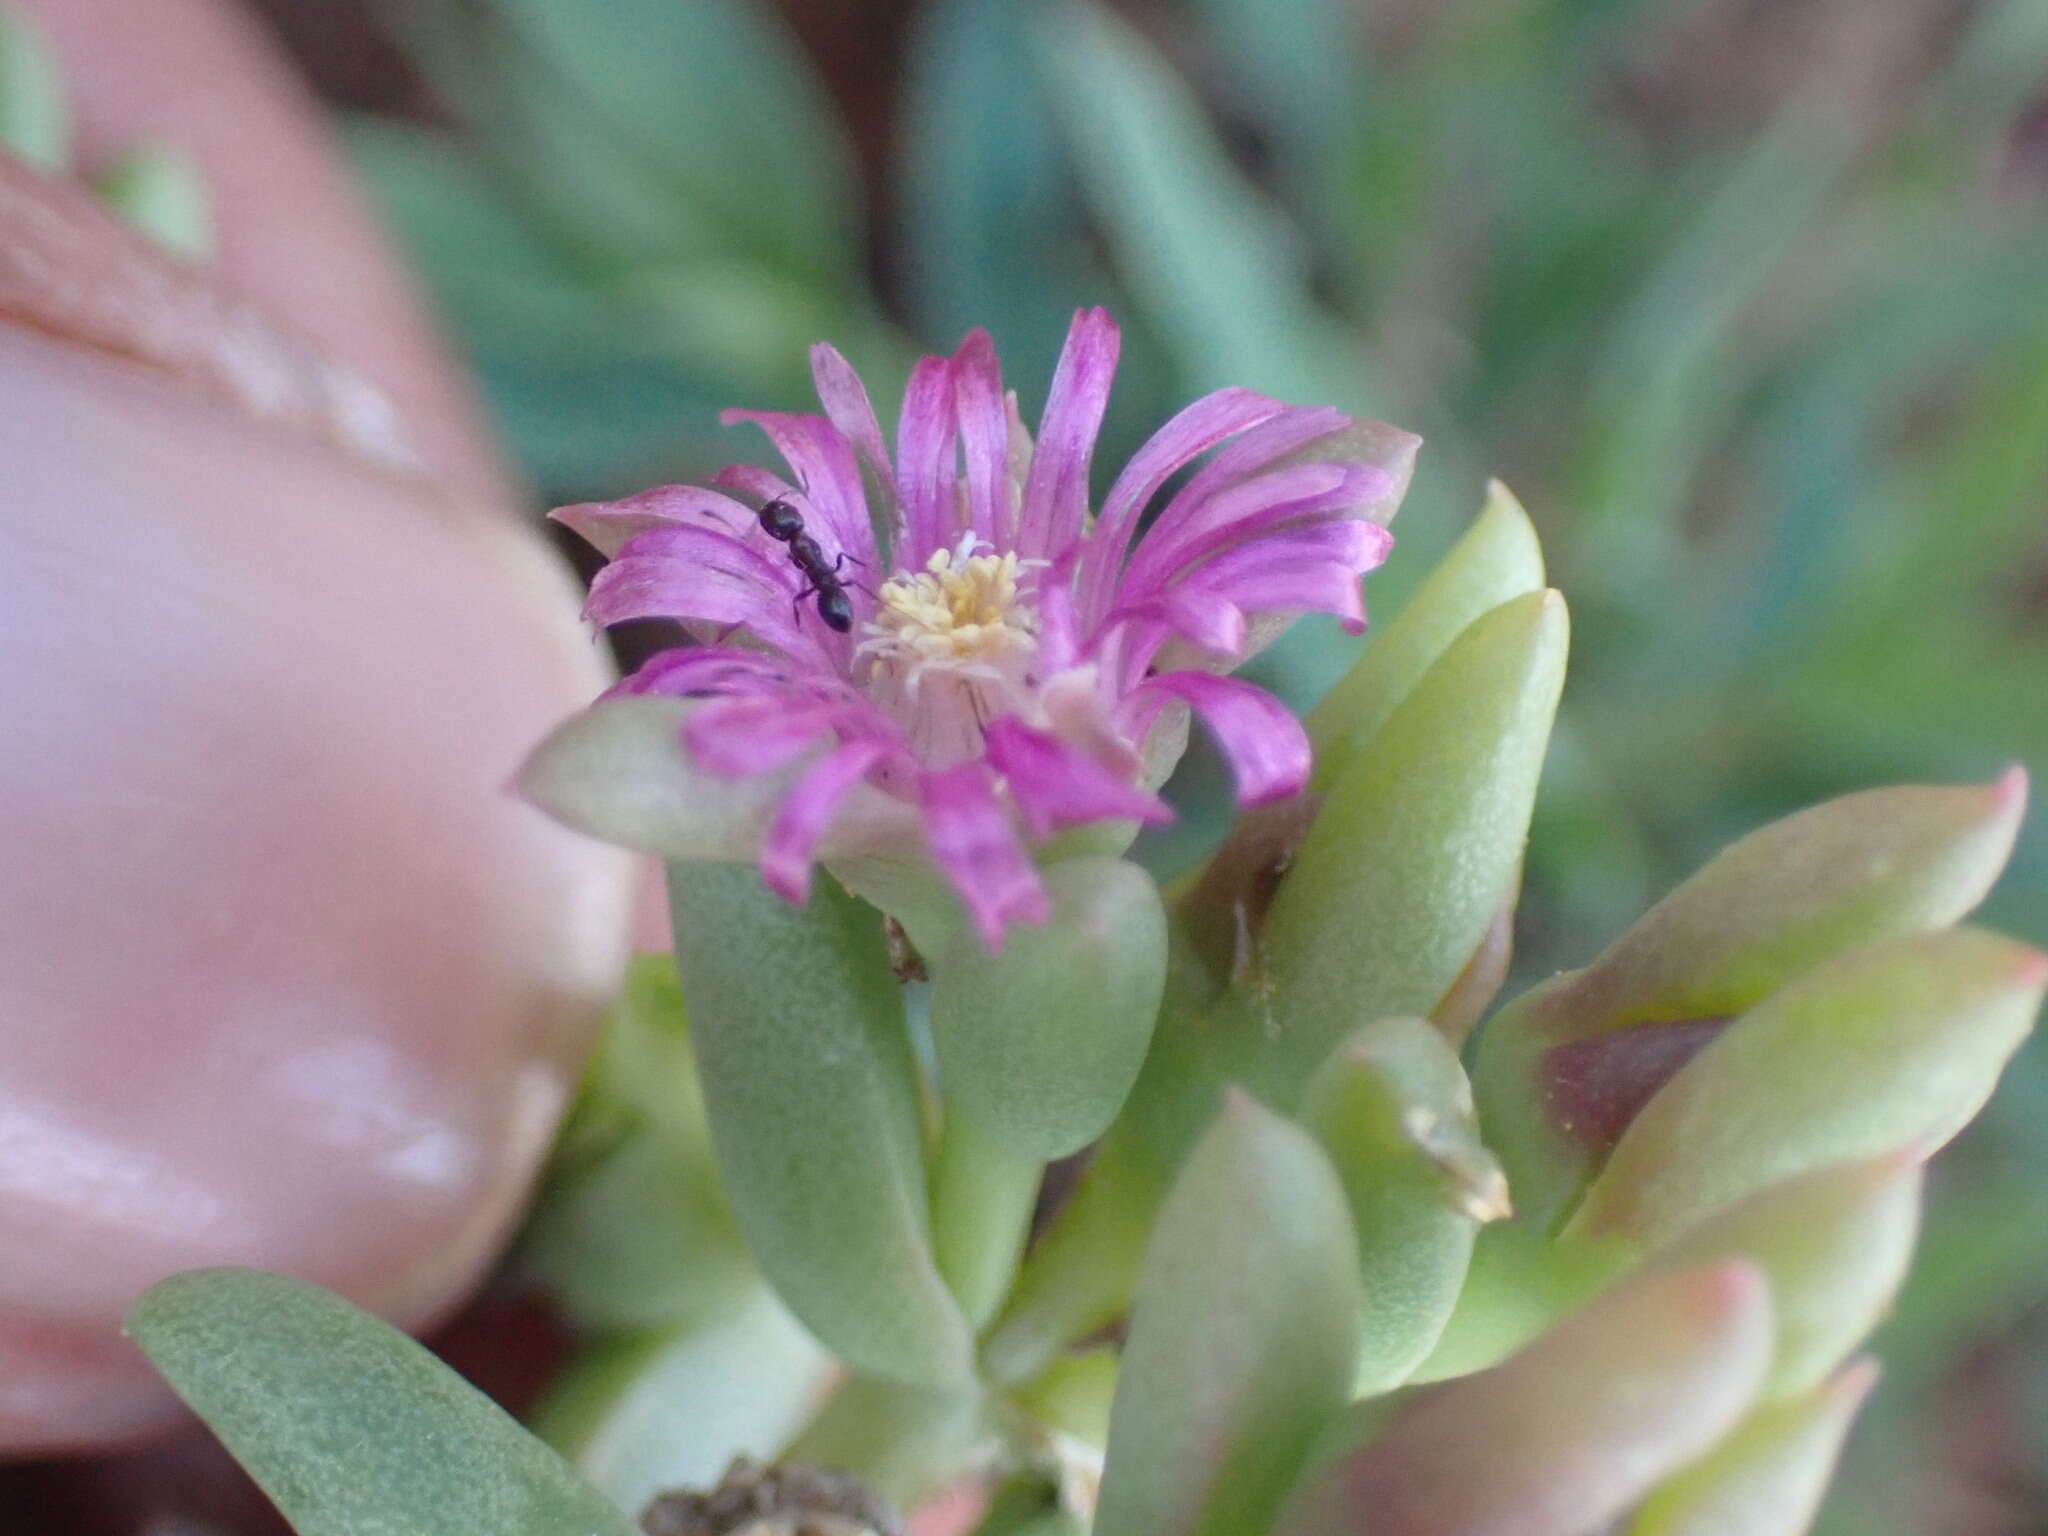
x: 756, y: 733
x: 829, y: 474
x: 971, y: 839
x: 792, y: 841
x: 1056, y: 784
x: 1264, y: 744
x: 1056, y: 496
x: 984, y: 438
x: 608, y: 525
x: 1194, y: 431
x: 925, y: 461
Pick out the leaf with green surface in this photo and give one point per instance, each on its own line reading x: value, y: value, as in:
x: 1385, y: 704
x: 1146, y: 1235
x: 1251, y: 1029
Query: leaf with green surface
x: 1242, y: 1339
x: 1768, y: 1477
x: 645, y: 1413
x: 1891, y: 1046
x: 1039, y: 1045
x: 1497, y: 560
x: 1392, y: 1108
x: 1861, y: 868
x: 1563, y: 1437
x: 348, y: 1425
x: 632, y: 1230
x: 1414, y: 851
x: 797, y: 1020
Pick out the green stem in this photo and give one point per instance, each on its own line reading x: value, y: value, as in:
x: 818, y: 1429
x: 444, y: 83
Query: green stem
x: 982, y: 1198
x: 1081, y: 1276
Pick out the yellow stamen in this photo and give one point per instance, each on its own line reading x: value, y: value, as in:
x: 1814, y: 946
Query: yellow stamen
x: 961, y: 613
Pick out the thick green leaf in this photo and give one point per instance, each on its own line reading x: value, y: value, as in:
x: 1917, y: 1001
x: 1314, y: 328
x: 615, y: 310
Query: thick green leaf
x: 349, y: 1426
x: 1381, y: 910
x: 812, y: 1094
x: 1768, y: 1477
x: 1497, y: 560
x: 618, y: 771
x: 1892, y: 1046
x: 1861, y: 868
x: 35, y: 112
x: 1834, y: 1244
x: 645, y: 1413
x: 1392, y: 1108
x: 1564, y: 1436
x: 1039, y: 1045
x: 907, y: 1443
x: 1414, y: 851
x: 1243, y: 1337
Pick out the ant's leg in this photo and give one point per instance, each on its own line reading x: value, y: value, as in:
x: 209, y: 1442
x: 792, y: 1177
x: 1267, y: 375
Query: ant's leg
x: 858, y: 586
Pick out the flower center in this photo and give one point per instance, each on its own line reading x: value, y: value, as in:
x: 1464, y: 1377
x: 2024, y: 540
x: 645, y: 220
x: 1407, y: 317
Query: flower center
x: 961, y: 613
x: 950, y: 645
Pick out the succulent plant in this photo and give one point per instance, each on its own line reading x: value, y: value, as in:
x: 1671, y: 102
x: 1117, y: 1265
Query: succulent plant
x: 821, y: 1206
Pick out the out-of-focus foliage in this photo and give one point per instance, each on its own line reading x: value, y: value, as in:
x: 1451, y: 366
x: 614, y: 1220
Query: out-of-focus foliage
x: 1750, y: 302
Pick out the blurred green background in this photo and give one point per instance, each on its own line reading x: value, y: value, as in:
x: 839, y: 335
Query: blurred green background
x: 1747, y: 298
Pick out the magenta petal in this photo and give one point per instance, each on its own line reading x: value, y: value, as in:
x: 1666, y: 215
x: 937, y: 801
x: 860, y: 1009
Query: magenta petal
x: 846, y: 401
x: 1192, y: 432
x: 1209, y: 619
x: 791, y: 845
x: 1311, y: 569
x: 1187, y: 529
x: 984, y: 438
x: 825, y: 467
x: 925, y: 461
x: 607, y: 525
x: 652, y: 587
x: 755, y: 733
x: 972, y: 841
x: 1287, y: 432
x: 1264, y: 744
x: 1056, y: 495
x: 1056, y: 784
x: 684, y: 672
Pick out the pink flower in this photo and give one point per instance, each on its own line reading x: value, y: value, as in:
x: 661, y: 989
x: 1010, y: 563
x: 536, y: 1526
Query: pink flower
x: 1013, y: 666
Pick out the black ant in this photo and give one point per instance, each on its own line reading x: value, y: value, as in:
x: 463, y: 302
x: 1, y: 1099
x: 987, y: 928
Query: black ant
x: 783, y: 523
